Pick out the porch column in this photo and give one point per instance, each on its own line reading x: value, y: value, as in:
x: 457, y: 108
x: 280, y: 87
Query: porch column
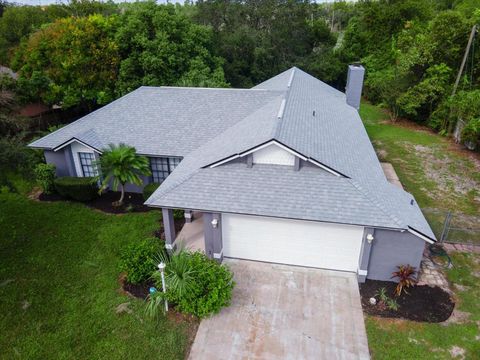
x: 212, y: 227
x: 169, y: 228
x: 367, y: 243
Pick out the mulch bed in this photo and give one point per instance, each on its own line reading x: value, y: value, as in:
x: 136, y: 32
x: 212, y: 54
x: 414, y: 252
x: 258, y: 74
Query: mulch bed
x: 140, y: 291
x: 422, y: 303
x: 133, y: 202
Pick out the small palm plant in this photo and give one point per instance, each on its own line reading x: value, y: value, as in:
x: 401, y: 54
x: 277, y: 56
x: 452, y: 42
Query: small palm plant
x: 179, y: 273
x: 179, y: 278
x: 406, y: 276
x: 120, y: 164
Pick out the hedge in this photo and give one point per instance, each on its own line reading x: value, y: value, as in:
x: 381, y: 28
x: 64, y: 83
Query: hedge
x: 77, y: 188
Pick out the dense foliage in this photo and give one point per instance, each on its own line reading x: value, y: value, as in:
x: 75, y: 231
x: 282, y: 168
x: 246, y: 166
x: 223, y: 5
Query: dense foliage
x: 84, y: 54
x: 77, y: 188
x: 195, y: 284
x: 138, y: 260
x: 160, y: 46
x: 58, y: 73
x: 412, y: 50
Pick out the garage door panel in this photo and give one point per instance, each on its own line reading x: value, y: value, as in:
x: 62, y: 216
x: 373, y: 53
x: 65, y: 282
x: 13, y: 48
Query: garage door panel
x: 295, y: 242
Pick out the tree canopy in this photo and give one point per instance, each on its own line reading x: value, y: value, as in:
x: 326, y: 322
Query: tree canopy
x: 87, y: 53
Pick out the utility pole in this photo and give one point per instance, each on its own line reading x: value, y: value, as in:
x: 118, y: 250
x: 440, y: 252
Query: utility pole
x: 465, y: 56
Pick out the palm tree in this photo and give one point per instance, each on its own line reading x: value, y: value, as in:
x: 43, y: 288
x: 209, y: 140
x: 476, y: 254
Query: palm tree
x: 121, y: 164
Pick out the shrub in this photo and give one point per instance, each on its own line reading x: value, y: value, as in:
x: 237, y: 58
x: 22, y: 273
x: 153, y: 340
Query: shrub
x: 385, y: 301
x: 45, y: 176
x: 196, y: 284
x: 406, y: 276
x: 149, y: 189
x: 178, y: 214
x: 138, y: 260
x: 77, y: 188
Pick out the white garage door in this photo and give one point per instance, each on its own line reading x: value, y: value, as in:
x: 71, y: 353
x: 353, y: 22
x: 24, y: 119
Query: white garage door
x: 295, y: 242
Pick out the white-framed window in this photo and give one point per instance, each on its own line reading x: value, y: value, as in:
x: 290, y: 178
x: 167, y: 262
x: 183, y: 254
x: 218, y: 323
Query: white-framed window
x: 87, y: 165
x: 161, y: 167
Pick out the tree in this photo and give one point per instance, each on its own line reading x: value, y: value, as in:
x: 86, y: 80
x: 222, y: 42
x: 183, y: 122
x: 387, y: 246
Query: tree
x: 16, y: 23
x: 160, y: 46
x: 120, y: 165
x: 73, y: 61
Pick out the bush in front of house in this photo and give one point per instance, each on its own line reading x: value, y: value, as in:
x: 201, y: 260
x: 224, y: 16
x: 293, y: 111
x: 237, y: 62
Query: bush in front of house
x: 45, y: 177
x: 178, y: 214
x: 149, y: 189
x: 77, y: 188
x: 196, y: 284
x: 138, y: 260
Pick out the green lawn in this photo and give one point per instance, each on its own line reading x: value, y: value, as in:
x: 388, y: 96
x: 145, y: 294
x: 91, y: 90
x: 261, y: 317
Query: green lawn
x: 59, y: 286
x: 441, y: 178
x: 430, y: 167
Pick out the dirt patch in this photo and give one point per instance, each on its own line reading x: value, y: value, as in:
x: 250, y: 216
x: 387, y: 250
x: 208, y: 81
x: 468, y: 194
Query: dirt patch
x: 423, y: 303
x: 457, y: 317
x: 133, y: 202
x: 457, y: 352
x: 448, y: 173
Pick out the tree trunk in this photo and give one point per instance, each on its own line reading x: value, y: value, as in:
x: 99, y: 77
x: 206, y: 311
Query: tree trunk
x: 122, y: 195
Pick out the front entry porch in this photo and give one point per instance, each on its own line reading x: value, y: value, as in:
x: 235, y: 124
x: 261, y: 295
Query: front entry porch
x: 192, y: 236
x: 202, y: 232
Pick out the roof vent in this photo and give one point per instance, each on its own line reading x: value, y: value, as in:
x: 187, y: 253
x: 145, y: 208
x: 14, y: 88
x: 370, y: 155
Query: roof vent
x: 355, y: 75
x: 412, y: 202
x: 313, y: 112
x: 291, y: 78
x: 281, y: 110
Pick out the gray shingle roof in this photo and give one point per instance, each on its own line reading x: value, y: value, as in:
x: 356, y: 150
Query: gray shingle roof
x: 163, y: 120
x: 208, y: 125
x: 273, y: 190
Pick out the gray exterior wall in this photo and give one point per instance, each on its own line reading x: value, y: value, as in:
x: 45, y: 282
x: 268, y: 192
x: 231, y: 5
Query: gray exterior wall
x: 63, y: 161
x: 213, y: 236
x: 138, y: 189
x: 390, y: 249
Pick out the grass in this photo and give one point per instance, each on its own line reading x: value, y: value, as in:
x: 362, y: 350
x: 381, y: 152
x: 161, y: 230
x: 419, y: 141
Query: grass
x: 401, y: 339
x: 429, y: 166
x: 441, y: 179
x: 59, y: 285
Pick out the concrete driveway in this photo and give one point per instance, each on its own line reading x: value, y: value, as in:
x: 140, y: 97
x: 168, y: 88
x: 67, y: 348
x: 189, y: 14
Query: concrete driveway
x: 286, y: 312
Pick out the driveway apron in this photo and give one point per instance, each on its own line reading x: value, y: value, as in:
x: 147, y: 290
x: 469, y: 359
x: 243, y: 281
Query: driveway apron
x: 285, y: 312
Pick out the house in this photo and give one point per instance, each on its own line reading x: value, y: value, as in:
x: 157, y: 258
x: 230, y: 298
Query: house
x: 283, y: 172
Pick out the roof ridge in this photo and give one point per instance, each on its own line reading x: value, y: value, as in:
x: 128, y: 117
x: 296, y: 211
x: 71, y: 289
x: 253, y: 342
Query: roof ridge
x: 365, y: 192
x: 283, y: 106
x: 204, y: 88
